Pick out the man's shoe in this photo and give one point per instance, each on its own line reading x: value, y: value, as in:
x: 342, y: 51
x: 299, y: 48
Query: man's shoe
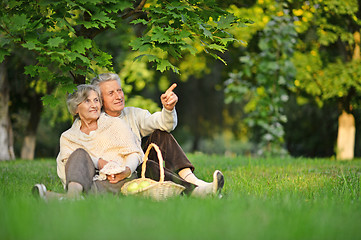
x: 39, y: 190
x: 218, y: 182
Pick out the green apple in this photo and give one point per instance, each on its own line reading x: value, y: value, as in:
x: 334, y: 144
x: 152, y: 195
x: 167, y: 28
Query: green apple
x: 144, y: 184
x: 133, y: 187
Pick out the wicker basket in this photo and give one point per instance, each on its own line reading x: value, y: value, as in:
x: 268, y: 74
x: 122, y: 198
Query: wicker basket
x: 157, y: 190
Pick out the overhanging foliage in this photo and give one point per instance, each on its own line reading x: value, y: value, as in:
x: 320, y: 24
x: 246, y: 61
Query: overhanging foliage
x: 60, y: 33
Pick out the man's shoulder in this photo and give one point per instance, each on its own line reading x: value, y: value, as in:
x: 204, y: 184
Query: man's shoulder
x: 133, y: 110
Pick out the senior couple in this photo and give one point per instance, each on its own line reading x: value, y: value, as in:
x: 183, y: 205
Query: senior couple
x: 103, y: 150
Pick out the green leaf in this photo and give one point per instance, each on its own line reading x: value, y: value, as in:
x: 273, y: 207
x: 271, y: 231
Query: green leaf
x: 83, y: 59
x: 50, y: 100
x: 19, y: 22
x: 206, y: 32
x: 3, y: 53
x: 150, y: 57
x: 225, y: 22
x: 217, y: 47
x: 88, y: 25
x: 68, y: 87
x: 103, y: 18
x: 136, y: 43
x: 34, y: 70
x: 225, y: 41
x: 145, y: 47
x: 117, y: 5
x: 30, y: 45
x: 183, y: 34
x: 103, y: 59
x: 81, y: 44
x: 55, y: 42
x: 159, y: 36
x: 31, y: 70
x: 163, y: 64
x: 192, y: 50
x: 139, y: 20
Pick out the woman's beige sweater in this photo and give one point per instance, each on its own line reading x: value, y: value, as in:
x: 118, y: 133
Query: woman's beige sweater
x: 112, y: 141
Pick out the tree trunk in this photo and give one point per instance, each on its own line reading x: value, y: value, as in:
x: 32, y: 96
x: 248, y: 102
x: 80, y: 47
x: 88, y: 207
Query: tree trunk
x: 346, y: 121
x: 195, y: 145
x: 346, y: 136
x: 28, y: 147
x: 6, y: 141
x: 356, y: 51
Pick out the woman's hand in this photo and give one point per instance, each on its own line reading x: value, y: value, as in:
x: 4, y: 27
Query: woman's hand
x: 114, y: 178
x: 101, y: 163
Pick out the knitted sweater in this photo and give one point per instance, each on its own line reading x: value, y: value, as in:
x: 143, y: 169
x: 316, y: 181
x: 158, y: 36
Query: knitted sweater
x: 112, y: 141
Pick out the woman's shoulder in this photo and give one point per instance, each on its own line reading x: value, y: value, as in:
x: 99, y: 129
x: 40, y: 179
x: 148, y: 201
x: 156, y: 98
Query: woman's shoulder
x: 72, y: 130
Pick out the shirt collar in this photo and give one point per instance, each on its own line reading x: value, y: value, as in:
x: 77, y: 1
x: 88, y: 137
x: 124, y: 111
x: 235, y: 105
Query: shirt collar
x: 120, y: 116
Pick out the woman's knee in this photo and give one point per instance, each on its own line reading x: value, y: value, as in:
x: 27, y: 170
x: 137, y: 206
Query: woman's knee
x: 79, y: 152
x: 80, y: 158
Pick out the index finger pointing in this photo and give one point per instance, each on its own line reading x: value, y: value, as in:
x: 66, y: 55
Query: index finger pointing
x: 171, y: 88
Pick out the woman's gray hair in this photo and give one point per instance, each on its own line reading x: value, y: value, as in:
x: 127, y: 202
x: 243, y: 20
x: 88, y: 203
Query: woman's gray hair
x: 79, y: 96
x: 104, y: 77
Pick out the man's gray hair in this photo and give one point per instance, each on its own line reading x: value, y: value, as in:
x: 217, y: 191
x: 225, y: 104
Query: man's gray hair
x: 79, y: 96
x: 104, y: 77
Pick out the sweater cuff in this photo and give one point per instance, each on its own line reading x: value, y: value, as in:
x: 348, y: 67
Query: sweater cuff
x: 132, y: 161
x: 170, y: 118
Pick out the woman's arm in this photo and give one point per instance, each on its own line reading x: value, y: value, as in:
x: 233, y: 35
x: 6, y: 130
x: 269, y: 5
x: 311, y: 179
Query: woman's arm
x: 101, y: 163
x: 131, y: 163
x: 114, y: 178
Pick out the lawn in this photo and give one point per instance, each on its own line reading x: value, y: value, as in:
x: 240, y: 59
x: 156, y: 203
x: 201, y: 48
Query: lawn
x: 294, y: 198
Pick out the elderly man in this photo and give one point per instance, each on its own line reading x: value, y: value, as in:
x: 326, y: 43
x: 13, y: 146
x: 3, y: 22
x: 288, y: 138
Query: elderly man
x: 157, y: 126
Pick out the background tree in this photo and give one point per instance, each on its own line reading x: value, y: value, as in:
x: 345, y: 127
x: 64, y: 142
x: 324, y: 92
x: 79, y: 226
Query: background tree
x: 6, y: 139
x: 326, y: 63
x: 61, y: 34
x: 328, y: 59
x: 265, y: 80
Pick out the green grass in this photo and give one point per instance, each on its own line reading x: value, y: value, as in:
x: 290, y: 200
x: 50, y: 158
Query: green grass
x: 262, y: 199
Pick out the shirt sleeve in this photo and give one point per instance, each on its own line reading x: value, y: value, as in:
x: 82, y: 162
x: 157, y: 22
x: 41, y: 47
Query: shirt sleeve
x: 132, y: 161
x: 164, y: 120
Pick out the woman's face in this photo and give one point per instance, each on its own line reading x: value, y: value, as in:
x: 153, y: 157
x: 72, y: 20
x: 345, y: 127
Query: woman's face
x: 89, y: 109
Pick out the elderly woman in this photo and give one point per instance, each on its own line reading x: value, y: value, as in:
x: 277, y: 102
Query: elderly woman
x: 94, y: 142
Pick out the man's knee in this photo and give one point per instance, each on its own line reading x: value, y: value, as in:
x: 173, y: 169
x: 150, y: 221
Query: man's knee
x: 162, y: 134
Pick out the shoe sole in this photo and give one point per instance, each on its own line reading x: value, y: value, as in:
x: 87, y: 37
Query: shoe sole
x: 219, y: 178
x: 39, y: 191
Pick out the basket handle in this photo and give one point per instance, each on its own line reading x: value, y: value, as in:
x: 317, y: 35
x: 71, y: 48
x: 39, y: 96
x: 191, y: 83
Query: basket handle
x: 160, y: 158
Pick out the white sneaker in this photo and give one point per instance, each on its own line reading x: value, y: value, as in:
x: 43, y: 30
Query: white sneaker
x: 39, y: 190
x: 218, y: 182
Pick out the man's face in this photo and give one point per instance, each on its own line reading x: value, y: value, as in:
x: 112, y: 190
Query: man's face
x: 113, y: 98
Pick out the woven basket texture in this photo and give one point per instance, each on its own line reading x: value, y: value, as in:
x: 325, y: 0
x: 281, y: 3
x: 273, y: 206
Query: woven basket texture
x: 156, y: 190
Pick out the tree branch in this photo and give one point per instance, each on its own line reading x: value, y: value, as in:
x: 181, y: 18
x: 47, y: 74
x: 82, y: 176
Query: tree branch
x: 136, y: 10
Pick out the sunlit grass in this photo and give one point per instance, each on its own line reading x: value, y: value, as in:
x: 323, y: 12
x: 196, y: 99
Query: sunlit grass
x: 262, y: 199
